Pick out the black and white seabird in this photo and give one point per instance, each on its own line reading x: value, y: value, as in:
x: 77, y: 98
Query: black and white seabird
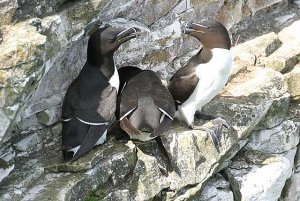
x: 204, y: 75
x: 90, y: 102
x: 145, y: 106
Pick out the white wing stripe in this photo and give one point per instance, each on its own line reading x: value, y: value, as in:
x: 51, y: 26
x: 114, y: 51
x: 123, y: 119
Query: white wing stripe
x: 165, y: 113
x: 66, y: 120
x: 127, y: 114
x: 92, y: 123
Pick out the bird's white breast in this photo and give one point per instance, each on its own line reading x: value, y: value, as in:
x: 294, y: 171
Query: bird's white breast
x: 114, y: 81
x: 212, y: 77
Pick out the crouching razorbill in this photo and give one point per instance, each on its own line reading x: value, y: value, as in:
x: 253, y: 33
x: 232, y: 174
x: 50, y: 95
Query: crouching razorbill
x: 145, y: 106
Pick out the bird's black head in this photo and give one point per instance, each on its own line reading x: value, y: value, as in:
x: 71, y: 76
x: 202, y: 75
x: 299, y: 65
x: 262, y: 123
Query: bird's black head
x: 211, y: 34
x: 105, y: 41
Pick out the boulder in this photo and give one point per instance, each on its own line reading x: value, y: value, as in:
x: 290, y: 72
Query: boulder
x: 258, y: 176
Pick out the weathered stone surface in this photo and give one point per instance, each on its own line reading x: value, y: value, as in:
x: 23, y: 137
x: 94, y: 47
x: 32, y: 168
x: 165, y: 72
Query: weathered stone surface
x: 260, y: 84
x: 181, y: 144
x: 21, y: 55
x: 296, y: 2
x: 261, y: 46
x: 4, y: 172
x: 275, y: 140
x: 97, y: 154
x: 276, y: 113
x: 255, y: 5
x: 259, y: 80
x: 144, y: 11
x: 159, y: 49
x: 217, y: 188
x: 283, y: 19
x: 7, y: 11
x: 14, y: 187
x: 40, y: 57
x: 293, y: 82
x: 271, y: 170
x: 286, y: 57
x: 114, y: 162
x: 232, y: 12
x: 292, y: 188
x: 147, y: 179
x: 117, y: 196
x: 28, y: 143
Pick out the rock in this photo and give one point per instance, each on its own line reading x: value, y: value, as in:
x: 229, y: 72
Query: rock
x: 146, y: 12
x: 21, y: 54
x: 159, y: 49
x: 16, y: 185
x: 50, y: 92
x: 113, y: 164
x: 232, y: 12
x: 296, y: 2
x: 272, y: 171
x: 91, y: 159
x: 260, y: 84
x: 5, y: 172
x: 4, y: 125
x: 292, y: 188
x: 261, y: 46
x: 53, y: 187
x: 44, y: 50
x: 147, y: 179
x: 238, y: 67
x: 293, y: 82
x: 256, y: 5
x: 278, y: 139
x: 276, y: 113
x: 49, y: 116
x: 217, y: 188
x: 259, y: 80
x: 29, y: 143
x: 7, y: 11
x: 117, y: 196
x: 283, y: 19
x: 285, y: 57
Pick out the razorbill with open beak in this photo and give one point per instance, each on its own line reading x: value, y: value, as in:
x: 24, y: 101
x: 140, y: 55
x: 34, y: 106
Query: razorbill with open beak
x: 90, y: 102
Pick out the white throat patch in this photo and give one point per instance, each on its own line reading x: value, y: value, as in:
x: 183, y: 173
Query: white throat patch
x: 114, y: 81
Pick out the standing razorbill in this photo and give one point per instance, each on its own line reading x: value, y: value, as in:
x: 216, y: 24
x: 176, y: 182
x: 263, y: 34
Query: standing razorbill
x: 145, y: 106
x: 204, y: 75
x: 90, y: 102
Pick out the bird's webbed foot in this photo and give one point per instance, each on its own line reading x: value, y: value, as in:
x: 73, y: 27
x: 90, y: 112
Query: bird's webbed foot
x: 214, y: 118
x: 215, y: 131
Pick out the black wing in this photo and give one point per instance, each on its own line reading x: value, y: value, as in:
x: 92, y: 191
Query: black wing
x: 183, y: 83
x: 128, y: 96
x: 90, y: 98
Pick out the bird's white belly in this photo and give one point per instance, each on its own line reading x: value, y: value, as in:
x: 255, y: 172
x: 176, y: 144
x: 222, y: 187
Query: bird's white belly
x: 207, y: 89
x: 212, y: 78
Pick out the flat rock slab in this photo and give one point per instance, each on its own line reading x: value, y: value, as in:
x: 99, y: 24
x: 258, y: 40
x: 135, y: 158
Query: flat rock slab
x: 272, y: 171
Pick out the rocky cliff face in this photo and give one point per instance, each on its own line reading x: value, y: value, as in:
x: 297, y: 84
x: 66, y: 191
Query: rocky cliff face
x: 42, y: 49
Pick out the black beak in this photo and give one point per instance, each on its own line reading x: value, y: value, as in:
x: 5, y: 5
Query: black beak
x: 127, y: 34
x: 190, y: 27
